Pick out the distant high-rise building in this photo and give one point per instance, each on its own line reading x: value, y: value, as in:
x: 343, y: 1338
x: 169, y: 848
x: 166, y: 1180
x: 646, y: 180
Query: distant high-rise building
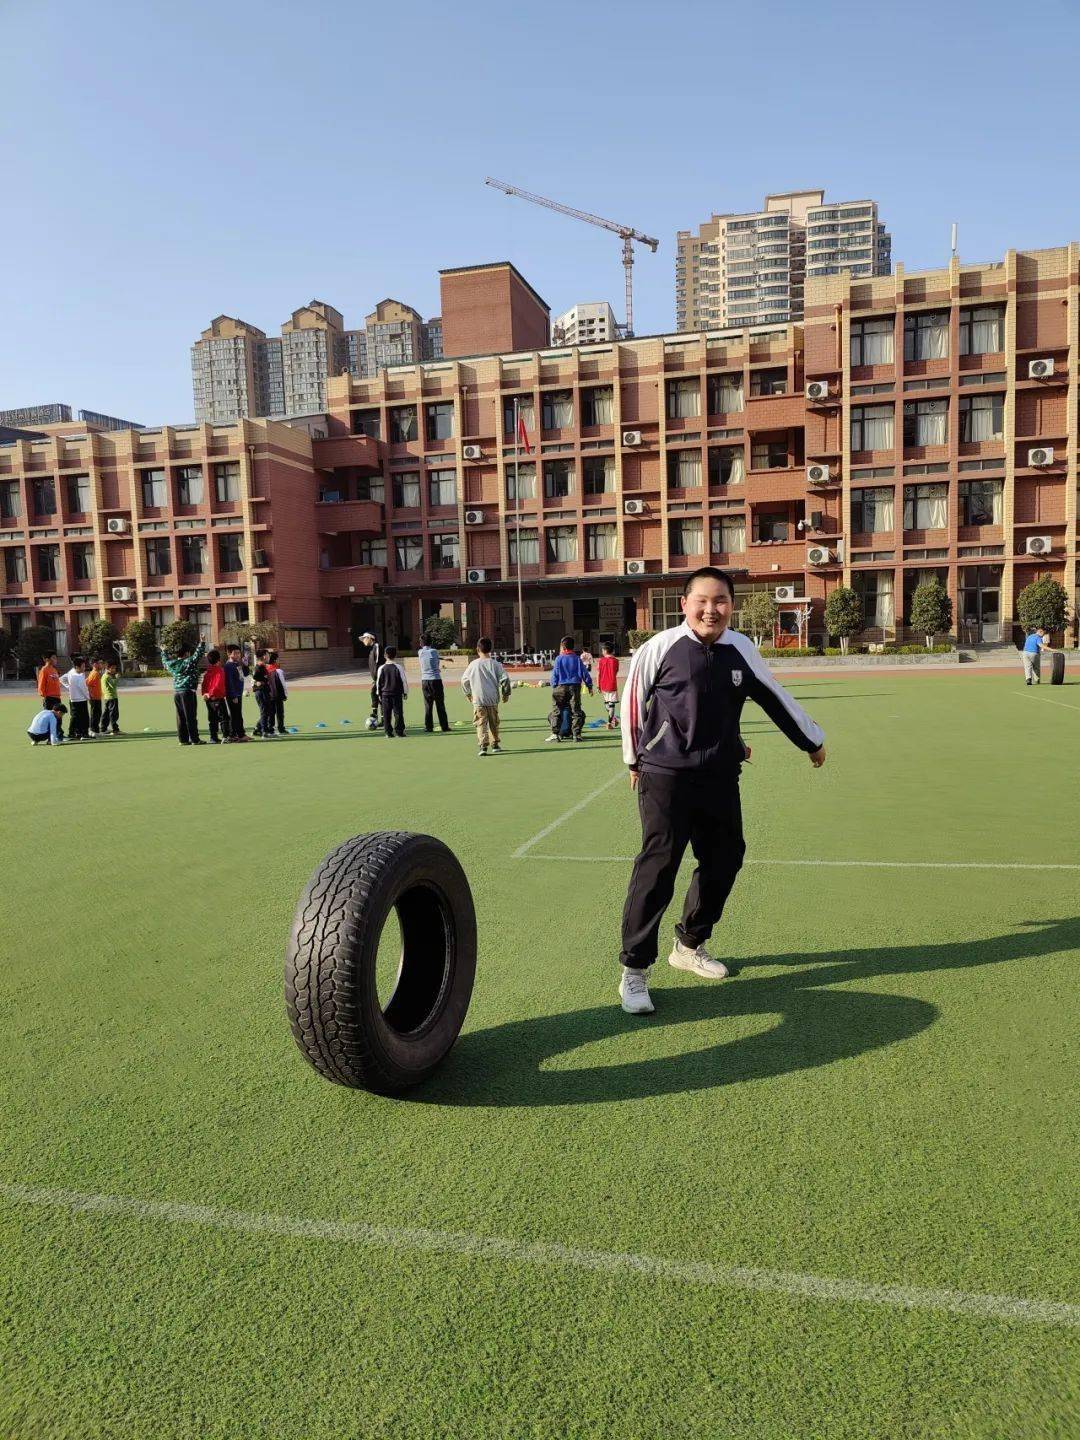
x: 239, y: 371
x: 31, y: 415
x: 750, y: 269
x: 592, y: 320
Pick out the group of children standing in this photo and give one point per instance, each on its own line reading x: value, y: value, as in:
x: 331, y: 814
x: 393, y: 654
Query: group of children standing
x: 222, y: 687
x: 570, y: 672
x: 93, y: 701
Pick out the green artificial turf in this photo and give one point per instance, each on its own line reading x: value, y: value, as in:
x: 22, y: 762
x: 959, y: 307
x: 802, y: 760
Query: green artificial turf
x: 885, y: 1092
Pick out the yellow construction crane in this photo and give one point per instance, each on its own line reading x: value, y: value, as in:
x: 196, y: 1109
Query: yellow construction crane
x: 624, y: 231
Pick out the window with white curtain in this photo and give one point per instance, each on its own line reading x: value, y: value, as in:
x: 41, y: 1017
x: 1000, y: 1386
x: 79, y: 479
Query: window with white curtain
x: 980, y: 502
x: 558, y: 479
x: 872, y: 427
x: 526, y: 412
x: 600, y: 542
x: 727, y: 534
x: 407, y: 490
x: 982, y: 417
x: 561, y: 542
x: 684, y: 469
x: 683, y: 399
x: 524, y: 547
x: 597, y: 406
x: 686, y: 537
x: 523, y: 487
x: 872, y: 510
x: 725, y: 393
x: 442, y: 487
x: 556, y: 409
x: 727, y: 466
x: 926, y: 507
x: 409, y: 550
x: 872, y: 341
x: 598, y: 474
x: 926, y: 422
x: 875, y: 588
x: 982, y: 330
x: 926, y: 335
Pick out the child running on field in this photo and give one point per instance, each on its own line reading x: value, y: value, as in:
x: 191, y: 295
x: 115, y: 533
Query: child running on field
x: 607, y: 675
x: 485, y: 682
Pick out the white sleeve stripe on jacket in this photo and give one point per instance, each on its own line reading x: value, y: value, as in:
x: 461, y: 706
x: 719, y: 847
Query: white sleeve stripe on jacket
x: 644, y: 668
x: 749, y: 651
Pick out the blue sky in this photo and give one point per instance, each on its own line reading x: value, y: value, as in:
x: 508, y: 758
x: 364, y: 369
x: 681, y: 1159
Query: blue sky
x: 161, y: 165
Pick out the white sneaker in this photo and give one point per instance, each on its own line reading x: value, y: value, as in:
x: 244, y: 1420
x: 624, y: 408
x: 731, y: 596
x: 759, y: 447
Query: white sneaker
x: 698, y: 962
x: 496, y: 749
x: 552, y: 739
x: 634, y: 992
x: 481, y: 754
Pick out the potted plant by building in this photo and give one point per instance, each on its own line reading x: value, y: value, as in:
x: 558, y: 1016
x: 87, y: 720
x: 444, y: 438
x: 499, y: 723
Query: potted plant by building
x: 843, y: 615
x: 931, y: 610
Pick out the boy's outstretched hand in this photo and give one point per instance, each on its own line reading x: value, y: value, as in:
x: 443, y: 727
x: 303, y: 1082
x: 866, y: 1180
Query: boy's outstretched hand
x: 817, y: 759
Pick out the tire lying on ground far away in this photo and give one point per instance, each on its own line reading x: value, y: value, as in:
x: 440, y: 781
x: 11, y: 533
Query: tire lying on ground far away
x: 1057, y: 668
x: 331, y: 987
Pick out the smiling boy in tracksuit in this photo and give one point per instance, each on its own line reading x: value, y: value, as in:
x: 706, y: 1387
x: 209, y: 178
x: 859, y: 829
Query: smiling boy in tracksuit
x: 680, y: 729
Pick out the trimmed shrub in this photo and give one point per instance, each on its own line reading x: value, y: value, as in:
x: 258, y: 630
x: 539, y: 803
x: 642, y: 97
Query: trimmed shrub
x: 637, y: 638
x: 439, y: 631
x: 1044, y: 604
x: 843, y: 615
x: 931, y: 610
x: 97, y: 640
x: 758, y: 616
x: 177, y: 634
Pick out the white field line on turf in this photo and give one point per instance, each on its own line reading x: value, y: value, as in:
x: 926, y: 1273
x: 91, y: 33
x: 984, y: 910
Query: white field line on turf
x: 838, y: 864
x: 522, y: 850
x: 612, y: 1262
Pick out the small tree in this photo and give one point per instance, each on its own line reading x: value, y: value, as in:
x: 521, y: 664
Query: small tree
x: 32, y: 645
x: 759, y: 616
x: 843, y: 614
x: 637, y: 638
x: 439, y: 631
x: 1044, y: 604
x: 97, y: 639
x: 264, y: 634
x: 140, y: 646
x: 931, y: 610
x: 177, y: 634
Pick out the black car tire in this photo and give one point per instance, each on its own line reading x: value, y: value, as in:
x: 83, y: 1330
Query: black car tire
x: 330, y: 967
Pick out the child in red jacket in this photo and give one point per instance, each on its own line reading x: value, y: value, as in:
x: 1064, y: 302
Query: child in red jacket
x: 607, y: 679
x: 213, y: 692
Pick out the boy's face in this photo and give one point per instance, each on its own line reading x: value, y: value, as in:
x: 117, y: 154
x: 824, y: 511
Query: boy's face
x: 708, y: 608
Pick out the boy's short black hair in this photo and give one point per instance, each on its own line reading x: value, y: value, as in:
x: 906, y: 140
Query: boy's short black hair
x: 111, y: 664
x: 262, y: 654
x: 213, y: 656
x: 390, y: 651
x: 232, y: 645
x: 607, y: 647
x: 50, y: 655
x: 273, y: 657
x: 53, y: 703
x: 78, y: 660
x: 184, y: 650
x: 484, y: 645
x: 567, y: 642
x: 711, y: 572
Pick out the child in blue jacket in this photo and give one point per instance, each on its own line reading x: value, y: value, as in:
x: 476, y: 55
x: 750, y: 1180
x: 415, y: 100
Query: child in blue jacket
x: 567, y: 677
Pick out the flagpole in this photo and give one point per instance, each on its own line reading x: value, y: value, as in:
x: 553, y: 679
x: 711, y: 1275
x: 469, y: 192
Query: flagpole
x: 517, y: 497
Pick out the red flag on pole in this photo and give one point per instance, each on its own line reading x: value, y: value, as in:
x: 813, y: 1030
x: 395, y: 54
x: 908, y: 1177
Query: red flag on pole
x: 523, y: 435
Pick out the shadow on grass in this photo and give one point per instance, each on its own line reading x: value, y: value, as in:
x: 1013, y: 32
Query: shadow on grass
x: 504, y: 1065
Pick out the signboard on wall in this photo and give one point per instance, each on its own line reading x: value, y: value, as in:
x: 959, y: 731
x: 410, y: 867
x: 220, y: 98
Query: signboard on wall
x: 551, y: 612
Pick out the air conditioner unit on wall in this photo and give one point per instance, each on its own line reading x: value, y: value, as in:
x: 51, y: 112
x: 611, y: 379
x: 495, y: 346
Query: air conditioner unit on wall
x: 817, y: 474
x: 784, y: 592
x: 123, y: 594
x: 817, y: 390
x: 476, y: 577
x: 818, y: 555
x: 117, y: 526
x: 631, y: 437
x: 1040, y: 369
x: 634, y: 507
x: 634, y: 567
x: 1040, y: 455
x: 474, y: 517
x: 472, y: 452
x: 1038, y: 545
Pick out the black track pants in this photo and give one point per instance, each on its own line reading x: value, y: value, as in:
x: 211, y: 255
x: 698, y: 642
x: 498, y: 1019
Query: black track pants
x: 434, y: 698
x: 680, y: 808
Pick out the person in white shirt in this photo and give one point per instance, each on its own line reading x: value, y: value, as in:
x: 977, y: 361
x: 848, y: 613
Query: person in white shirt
x: 74, y: 682
x: 45, y: 726
x: 485, y: 682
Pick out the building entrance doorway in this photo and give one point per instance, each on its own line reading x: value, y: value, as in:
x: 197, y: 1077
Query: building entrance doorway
x: 980, y: 605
